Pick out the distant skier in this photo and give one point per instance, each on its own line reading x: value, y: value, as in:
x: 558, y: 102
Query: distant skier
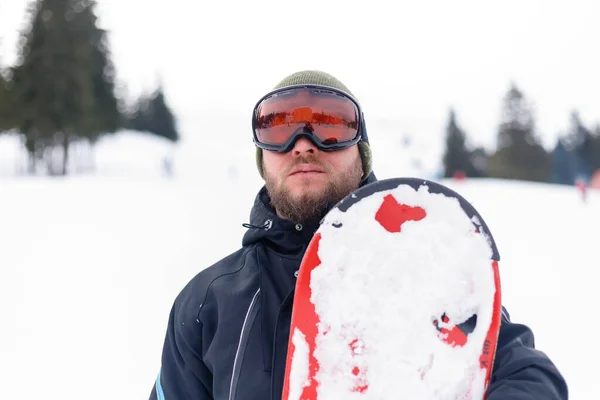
x: 459, y: 175
x: 582, y: 188
x: 167, y: 165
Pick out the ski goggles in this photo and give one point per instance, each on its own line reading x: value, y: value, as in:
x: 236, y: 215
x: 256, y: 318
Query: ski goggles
x: 330, y: 118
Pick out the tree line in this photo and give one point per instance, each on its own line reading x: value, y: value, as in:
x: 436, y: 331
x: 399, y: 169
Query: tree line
x: 519, y: 153
x: 61, y: 91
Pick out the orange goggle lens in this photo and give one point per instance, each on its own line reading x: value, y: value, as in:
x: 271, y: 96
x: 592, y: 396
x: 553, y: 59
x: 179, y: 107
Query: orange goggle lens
x: 330, y: 117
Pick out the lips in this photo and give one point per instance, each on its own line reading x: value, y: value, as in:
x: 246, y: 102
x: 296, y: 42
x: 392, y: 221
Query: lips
x: 305, y: 168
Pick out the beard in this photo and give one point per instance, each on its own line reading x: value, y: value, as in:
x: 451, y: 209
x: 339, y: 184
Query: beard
x: 310, y: 208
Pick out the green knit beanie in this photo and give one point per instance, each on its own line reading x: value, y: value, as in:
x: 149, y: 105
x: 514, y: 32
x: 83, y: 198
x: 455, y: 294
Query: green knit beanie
x: 322, y: 79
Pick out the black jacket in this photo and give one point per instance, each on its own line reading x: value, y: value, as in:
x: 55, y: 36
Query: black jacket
x: 228, y: 329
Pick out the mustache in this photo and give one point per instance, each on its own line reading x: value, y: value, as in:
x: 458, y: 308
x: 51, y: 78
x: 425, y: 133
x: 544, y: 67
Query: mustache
x: 310, y: 159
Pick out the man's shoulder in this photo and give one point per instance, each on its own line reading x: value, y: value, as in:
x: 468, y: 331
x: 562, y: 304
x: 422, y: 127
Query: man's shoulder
x: 195, y: 291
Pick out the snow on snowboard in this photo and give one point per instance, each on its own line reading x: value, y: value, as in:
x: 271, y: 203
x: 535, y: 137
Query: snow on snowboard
x: 398, y: 297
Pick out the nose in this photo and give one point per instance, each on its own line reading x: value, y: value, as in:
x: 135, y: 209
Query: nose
x: 302, y: 146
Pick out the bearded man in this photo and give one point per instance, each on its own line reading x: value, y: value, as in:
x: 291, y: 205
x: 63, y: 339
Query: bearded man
x: 229, y: 327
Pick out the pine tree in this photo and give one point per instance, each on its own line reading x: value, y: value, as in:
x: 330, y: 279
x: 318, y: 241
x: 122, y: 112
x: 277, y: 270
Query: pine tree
x: 562, y: 164
x: 5, y: 122
x: 479, y: 159
x: 104, y: 111
x: 579, y: 143
x: 62, y: 81
x: 596, y: 148
x: 519, y: 154
x: 457, y: 158
x: 153, y: 115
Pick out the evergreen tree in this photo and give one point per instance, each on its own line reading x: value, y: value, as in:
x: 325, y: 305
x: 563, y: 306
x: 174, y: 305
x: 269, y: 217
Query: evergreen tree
x: 104, y: 113
x: 519, y: 153
x: 153, y: 115
x: 562, y: 164
x: 63, y: 79
x: 479, y: 160
x: 596, y: 148
x: 5, y: 99
x: 5, y: 122
x: 579, y: 143
x: 457, y: 158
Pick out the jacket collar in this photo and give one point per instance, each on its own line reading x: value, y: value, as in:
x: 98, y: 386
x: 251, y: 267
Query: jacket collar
x: 282, y: 235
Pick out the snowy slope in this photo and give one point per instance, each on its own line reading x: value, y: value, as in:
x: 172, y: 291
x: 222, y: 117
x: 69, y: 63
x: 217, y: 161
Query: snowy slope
x: 90, y: 265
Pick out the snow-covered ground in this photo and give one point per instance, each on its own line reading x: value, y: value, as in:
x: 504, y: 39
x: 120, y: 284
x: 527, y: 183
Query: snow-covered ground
x: 90, y: 264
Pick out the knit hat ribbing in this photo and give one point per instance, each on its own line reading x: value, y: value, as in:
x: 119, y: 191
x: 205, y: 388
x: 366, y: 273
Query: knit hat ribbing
x: 313, y: 78
x: 322, y: 79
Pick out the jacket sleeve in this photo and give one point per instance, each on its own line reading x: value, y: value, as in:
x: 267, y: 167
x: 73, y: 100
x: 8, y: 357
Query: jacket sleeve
x: 183, y: 375
x: 521, y: 372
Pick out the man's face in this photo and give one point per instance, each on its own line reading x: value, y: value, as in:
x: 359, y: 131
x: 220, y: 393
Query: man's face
x: 305, y: 182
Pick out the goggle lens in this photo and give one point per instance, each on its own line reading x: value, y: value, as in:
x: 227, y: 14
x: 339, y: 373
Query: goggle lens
x: 330, y: 117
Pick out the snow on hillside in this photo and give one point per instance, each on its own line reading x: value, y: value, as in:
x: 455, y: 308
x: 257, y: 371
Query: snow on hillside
x: 127, y: 153
x: 90, y: 264
x: 11, y: 156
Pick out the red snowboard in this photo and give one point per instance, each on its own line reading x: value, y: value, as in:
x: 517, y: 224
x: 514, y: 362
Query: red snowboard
x: 398, y: 296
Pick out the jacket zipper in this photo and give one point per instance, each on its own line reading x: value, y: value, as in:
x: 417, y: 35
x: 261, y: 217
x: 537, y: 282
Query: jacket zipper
x: 244, y: 334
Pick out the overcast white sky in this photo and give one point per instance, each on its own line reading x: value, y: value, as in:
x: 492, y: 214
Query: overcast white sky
x: 407, y: 61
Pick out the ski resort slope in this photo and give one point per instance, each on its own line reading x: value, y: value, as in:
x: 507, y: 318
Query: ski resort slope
x: 90, y: 265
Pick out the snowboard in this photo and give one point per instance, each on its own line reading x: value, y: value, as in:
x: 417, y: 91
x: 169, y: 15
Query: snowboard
x: 398, y: 297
